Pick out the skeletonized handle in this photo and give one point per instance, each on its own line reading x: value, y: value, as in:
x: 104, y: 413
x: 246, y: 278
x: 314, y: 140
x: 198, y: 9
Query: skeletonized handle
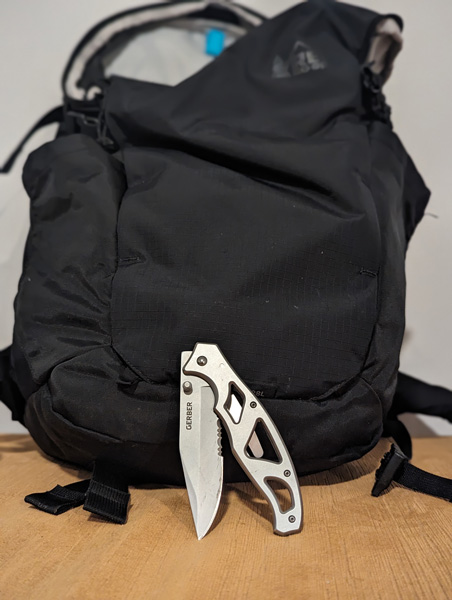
x: 208, y: 362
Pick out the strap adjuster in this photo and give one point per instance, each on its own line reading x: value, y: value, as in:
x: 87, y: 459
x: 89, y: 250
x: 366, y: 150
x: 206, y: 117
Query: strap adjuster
x: 389, y: 469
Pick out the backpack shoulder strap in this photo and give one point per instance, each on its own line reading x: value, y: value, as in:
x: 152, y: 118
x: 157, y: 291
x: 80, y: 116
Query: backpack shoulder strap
x: 412, y: 396
x: 53, y: 116
x: 415, y: 396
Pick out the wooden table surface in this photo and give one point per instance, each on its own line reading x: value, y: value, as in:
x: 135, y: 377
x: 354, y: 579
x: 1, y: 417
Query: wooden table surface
x: 352, y: 546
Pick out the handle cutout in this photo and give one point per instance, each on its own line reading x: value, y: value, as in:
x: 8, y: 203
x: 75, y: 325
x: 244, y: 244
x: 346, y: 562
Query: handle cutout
x: 282, y: 493
x: 235, y: 403
x: 269, y: 448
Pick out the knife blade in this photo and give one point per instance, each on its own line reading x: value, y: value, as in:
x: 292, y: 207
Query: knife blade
x: 200, y: 449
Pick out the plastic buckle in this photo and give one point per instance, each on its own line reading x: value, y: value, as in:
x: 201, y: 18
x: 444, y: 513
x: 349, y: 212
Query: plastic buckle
x: 390, y: 465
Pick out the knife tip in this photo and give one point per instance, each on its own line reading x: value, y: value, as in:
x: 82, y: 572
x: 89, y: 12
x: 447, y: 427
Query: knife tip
x: 201, y: 534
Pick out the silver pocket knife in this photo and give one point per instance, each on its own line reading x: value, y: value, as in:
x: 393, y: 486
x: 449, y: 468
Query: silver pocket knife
x: 212, y: 395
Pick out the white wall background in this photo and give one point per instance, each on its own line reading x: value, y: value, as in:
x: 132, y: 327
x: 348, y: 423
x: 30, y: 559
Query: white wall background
x: 36, y: 39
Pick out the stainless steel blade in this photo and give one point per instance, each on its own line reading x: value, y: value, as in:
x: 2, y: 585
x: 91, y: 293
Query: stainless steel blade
x: 200, y: 449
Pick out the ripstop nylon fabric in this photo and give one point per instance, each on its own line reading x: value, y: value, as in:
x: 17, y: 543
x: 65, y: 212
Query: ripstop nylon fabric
x: 255, y: 205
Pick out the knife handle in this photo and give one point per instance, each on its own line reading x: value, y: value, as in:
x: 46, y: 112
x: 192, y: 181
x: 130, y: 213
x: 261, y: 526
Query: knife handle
x: 208, y: 362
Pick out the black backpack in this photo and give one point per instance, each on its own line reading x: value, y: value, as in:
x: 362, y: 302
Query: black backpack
x: 263, y: 204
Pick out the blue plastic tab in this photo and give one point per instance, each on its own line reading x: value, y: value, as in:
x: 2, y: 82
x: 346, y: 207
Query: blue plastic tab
x: 215, y: 40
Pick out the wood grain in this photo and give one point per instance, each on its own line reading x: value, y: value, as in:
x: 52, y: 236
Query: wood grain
x: 352, y: 545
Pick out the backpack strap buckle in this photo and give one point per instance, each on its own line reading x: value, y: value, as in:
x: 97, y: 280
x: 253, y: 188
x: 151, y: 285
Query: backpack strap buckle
x: 87, y: 118
x: 388, y: 470
x: 82, y: 122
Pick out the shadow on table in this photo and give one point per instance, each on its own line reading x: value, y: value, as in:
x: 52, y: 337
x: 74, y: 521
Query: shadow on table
x: 14, y: 442
x: 364, y: 466
x: 249, y: 495
x: 353, y: 470
x: 245, y: 492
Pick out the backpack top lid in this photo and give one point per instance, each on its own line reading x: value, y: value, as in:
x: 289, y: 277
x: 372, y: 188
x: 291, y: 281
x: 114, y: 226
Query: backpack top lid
x: 84, y: 75
x: 278, y: 86
x: 364, y: 32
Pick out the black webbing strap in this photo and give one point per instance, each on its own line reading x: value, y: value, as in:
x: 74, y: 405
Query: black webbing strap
x: 395, y: 466
x: 53, y: 116
x: 415, y: 396
x: 395, y: 429
x: 412, y: 396
x: 106, y: 495
x: 60, y: 499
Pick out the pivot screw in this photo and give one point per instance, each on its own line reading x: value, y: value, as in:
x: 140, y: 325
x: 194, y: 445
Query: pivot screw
x: 292, y: 519
x: 287, y: 473
x: 202, y: 360
x: 187, y: 387
x: 253, y: 404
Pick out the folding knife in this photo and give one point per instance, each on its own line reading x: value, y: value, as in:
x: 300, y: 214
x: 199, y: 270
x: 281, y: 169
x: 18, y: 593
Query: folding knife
x: 212, y: 392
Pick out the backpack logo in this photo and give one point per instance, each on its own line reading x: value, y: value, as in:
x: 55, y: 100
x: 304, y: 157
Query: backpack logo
x: 301, y: 60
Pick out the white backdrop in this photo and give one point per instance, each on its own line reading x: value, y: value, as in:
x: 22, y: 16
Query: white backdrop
x: 36, y: 39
